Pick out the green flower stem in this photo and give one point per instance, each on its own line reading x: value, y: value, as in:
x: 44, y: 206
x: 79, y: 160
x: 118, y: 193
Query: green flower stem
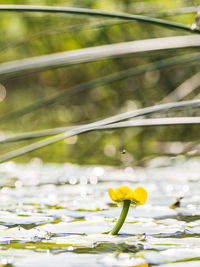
x: 122, y: 217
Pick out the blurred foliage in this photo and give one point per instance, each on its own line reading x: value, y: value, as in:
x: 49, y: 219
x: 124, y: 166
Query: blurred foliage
x: 32, y: 34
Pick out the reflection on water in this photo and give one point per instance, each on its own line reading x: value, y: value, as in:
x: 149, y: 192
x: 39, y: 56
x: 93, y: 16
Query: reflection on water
x: 49, y: 213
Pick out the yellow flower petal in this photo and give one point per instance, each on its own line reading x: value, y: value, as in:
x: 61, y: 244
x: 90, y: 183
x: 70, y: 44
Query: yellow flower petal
x: 124, y: 192
x: 140, y: 195
x: 112, y: 194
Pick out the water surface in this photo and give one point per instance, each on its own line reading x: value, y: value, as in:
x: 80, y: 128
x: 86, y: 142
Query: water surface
x: 56, y: 214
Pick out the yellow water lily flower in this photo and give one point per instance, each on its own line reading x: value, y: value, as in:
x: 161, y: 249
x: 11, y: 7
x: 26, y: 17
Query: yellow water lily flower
x: 126, y: 196
x: 136, y: 197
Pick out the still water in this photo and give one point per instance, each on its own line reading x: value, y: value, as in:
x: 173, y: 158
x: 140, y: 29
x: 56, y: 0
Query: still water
x: 56, y: 214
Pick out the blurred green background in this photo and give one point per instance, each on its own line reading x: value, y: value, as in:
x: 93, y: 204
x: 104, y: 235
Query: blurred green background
x: 26, y: 35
